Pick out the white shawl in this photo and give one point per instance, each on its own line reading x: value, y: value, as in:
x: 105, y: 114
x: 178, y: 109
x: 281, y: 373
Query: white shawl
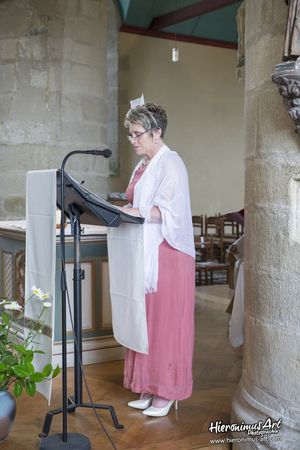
x: 164, y: 184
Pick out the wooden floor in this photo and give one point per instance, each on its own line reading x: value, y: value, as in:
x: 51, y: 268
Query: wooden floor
x: 217, y: 370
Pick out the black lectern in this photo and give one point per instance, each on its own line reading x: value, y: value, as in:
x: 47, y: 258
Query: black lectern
x: 79, y: 205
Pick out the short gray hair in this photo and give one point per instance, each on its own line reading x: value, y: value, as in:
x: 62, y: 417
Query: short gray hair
x: 150, y: 116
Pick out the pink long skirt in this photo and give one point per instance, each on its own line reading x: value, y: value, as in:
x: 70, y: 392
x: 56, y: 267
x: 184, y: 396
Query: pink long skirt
x: 167, y: 368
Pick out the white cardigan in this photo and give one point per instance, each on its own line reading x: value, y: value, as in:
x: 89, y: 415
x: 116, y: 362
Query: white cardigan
x: 164, y: 184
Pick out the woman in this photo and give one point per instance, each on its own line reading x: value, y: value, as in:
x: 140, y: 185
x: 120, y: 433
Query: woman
x: 158, y: 191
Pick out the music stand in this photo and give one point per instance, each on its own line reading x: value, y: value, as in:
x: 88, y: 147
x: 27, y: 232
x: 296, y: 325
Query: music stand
x: 77, y: 203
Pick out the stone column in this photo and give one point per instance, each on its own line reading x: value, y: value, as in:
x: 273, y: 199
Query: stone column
x: 270, y: 383
x: 53, y: 91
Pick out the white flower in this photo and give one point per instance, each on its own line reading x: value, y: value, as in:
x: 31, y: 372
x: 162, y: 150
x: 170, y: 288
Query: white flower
x: 3, y: 302
x: 39, y: 293
x: 47, y: 304
x: 13, y: 306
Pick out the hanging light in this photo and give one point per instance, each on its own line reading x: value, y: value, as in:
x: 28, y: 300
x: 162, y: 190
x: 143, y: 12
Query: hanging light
x: 175, y: 50
x: 175, y: 54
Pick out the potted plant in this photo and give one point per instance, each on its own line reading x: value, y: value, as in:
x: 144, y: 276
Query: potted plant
x: 17, y: 372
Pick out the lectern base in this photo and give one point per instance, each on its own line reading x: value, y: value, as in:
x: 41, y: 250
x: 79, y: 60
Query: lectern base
x: 75, y: 441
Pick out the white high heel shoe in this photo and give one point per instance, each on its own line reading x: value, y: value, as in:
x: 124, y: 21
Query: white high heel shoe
x: 141, y: 403
x: 160, y: 412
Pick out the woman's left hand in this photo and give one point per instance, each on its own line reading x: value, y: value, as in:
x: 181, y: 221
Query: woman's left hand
x: 132, y: 211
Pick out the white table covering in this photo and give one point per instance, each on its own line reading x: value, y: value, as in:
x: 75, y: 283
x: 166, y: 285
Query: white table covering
x: 236, y: 326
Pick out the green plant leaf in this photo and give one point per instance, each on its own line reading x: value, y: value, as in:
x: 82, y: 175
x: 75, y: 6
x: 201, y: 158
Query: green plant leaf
x: 5, y: 318
x: 29, y: 355
x: 3, y: 367
x: 19, y: 348
x: 37, y: 377
x: 20, y: 371
x: 29, y: 367
x: 30, y: 388
x: 47, y: 370
x: 18, y: 389
x: 56, y: 371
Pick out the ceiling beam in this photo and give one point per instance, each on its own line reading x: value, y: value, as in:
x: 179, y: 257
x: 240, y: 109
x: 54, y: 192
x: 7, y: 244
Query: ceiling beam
x: 189, y: 12
x: 178, y: 37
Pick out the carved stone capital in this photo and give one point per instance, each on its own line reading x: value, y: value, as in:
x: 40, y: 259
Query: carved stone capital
x: 287, y: 77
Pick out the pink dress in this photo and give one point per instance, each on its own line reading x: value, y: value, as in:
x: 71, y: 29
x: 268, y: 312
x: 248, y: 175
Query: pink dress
x: 166, y: 370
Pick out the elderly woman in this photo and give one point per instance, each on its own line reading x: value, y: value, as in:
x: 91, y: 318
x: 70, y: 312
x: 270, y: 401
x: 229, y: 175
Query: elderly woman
x: 158, y: 191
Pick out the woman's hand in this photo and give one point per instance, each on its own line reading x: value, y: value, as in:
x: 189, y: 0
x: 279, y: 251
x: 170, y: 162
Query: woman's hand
x: 154, y: 213
x: 132, y: 211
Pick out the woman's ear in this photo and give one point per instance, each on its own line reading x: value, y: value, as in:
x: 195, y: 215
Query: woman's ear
x: 156, y: 135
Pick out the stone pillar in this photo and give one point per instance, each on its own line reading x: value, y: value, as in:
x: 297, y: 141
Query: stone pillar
x: 53, y: 91
x: 270, y: 383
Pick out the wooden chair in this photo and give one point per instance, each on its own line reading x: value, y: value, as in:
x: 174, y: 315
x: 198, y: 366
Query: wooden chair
x: 203, y: 244
x: 198, y: 226
x: 214, y: 233
x: 209, y: 268
x: 212, y: 225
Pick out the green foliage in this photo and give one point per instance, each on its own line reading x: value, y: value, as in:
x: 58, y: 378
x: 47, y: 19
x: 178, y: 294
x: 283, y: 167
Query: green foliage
x: 16, y: 359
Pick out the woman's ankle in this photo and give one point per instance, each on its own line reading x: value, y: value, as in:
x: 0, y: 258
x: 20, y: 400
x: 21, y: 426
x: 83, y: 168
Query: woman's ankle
x: 145, y: 396
x: 160, y: 402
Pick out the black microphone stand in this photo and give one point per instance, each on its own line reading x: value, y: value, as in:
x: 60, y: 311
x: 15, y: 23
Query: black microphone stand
x: 70, y: 441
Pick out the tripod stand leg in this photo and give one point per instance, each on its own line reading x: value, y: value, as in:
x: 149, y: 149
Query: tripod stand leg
x: 71, y: 404
x: 71, y: 408
x: 47, y: 422
x: 50, y: 414
x: 110, y: 408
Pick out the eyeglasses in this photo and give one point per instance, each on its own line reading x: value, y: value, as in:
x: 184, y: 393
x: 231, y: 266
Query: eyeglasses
x: 133, y: 136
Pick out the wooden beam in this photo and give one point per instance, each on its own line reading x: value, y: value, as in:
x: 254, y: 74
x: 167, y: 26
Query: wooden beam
x: 188, y: 12
x: 178, y: 37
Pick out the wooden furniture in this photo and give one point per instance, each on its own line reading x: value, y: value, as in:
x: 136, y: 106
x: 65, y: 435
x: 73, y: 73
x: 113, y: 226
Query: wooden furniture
x: 222, y: 232
x: 212, y: 225
x: 213, y: 235
x: 198, y: 227
x: 208, y: 268
x: 98, y: 341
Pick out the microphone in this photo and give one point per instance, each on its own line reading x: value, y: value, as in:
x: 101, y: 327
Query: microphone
x: 106, y: 153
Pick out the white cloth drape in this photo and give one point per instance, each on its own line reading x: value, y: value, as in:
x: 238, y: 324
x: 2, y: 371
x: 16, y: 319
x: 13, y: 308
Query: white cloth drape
x: 164, y: 184
x: 236, y: 326
x: 127, y: 290
x: 41, y: 259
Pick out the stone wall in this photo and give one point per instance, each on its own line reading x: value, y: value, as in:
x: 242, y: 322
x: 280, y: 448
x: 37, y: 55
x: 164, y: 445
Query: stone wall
x: 270, y: 382
x: 54, y: 91
x: 204, y: 103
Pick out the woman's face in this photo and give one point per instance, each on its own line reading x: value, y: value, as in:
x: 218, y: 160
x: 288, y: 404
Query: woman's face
x: 143, y: 143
